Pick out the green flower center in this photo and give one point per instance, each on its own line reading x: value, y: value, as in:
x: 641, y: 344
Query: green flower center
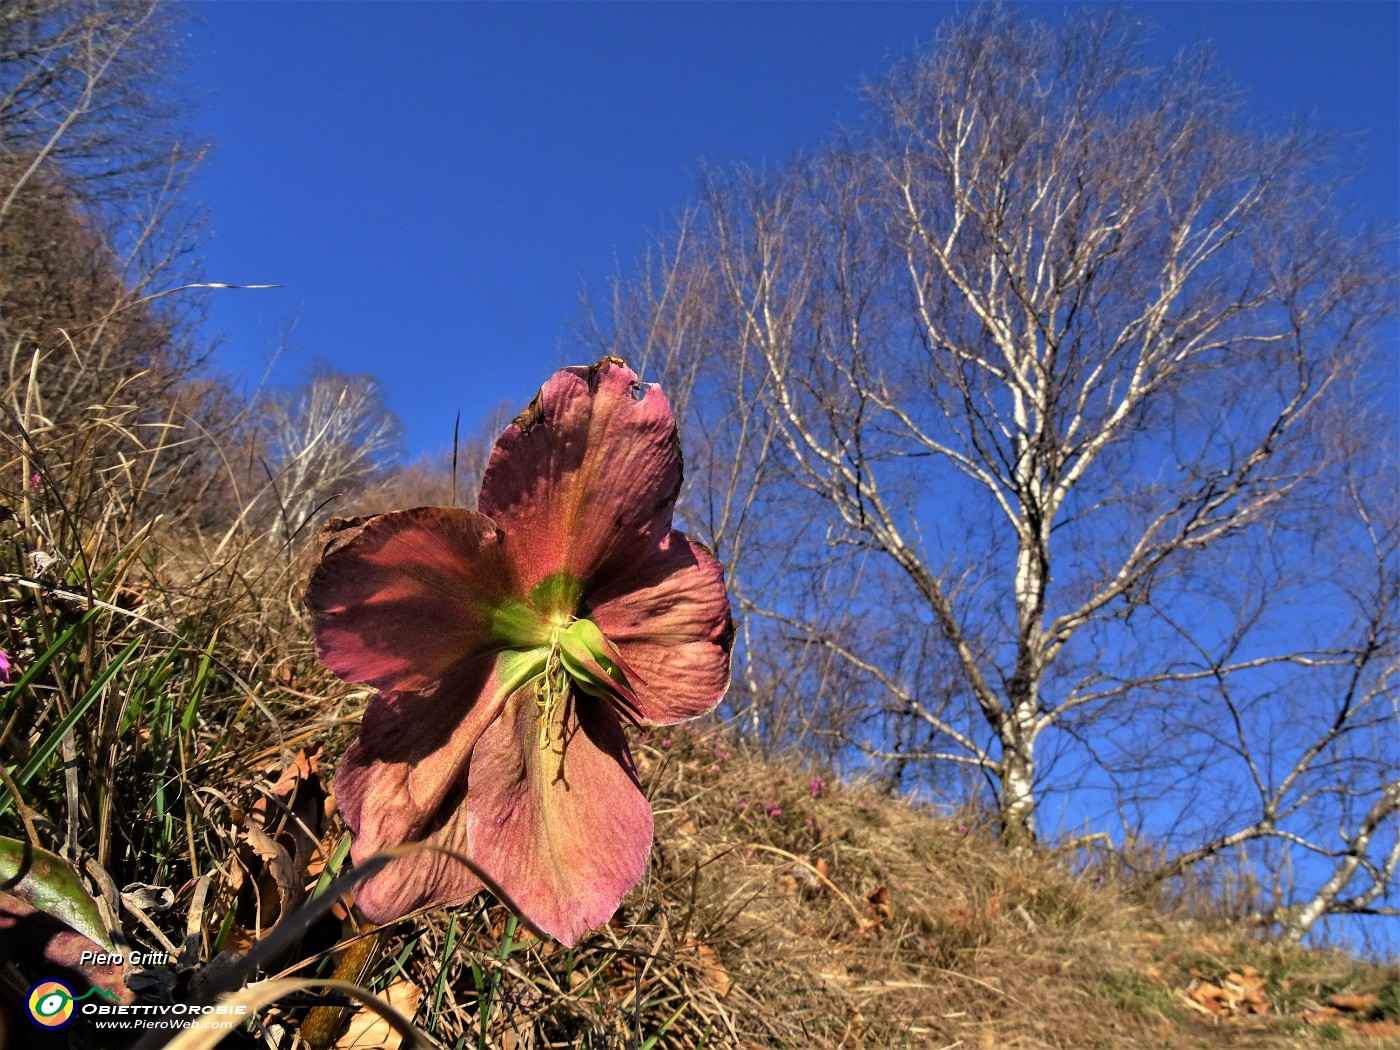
x: 579, y: 656
x: 565, y: 650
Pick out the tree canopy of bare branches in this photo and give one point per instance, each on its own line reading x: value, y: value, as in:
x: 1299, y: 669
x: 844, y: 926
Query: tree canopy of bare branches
x: 95, y: 230
x: 325, y: 438
x: 1032, y: 403
x: 84, y: 91
x: 93, y: 224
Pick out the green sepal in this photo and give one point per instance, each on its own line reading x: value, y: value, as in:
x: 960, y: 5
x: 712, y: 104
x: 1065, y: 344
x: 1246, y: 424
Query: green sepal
x: 583, y: 650
x: 517, y: 668
x: 517, y: 625
x: 557, y: 596
x: 45, y: 882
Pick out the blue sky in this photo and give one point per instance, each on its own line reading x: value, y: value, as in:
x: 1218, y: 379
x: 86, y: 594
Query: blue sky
x: 431, y: 184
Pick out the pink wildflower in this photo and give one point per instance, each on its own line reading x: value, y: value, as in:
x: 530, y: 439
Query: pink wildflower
x: 7, y: 669
x: 816, y: 787
x: 507, y: 646
x: 774, y: 810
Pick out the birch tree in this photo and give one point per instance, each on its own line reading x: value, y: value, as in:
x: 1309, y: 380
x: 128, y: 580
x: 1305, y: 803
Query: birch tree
x: 1298, y: 758
x: 1054, y: 333
x: 1133, y: 321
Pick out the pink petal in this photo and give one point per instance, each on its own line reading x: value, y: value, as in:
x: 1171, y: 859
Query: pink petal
x: 586, y: 477
x: 402, y: 597
x: 566, y: 837
x: 404, y: 780
x: 668, y: 615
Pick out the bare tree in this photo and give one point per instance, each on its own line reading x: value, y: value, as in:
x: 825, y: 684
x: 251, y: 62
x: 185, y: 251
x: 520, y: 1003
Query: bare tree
x: 1297, y: 761
x: 1059, y: 359
x: 324, y: 439
x: 93, y: 231
x: 662, y: 321
x: 83, y: 95
x: 65, y: 297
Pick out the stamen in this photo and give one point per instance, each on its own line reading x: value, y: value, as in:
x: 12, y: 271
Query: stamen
x: 556, y: 685
x: 582, y: 659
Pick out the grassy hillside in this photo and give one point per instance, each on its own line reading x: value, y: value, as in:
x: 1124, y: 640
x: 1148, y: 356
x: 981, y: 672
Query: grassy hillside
x: 169, y: 737
x: 784, y: 910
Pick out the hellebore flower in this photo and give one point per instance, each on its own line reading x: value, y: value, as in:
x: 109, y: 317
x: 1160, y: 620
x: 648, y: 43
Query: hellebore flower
x: 507, y: 645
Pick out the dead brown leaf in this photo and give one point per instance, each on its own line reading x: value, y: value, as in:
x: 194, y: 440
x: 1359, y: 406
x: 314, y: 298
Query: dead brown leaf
x: 294, y: 812
x: 1356, y: 1003
x: 367, y: 1030
x: 280, y: 838
x: 705, y: 961
x: 1379, y: 1029
x: 1238, y: 994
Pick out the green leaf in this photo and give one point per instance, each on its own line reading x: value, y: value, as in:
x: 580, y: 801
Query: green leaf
x: 50, y: 743
x: 44, y: 881
x: 200, y: 679
x: 36, y: 668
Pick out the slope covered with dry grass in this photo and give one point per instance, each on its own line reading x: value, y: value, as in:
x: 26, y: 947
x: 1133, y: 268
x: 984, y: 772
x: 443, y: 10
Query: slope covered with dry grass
x: 169, y: 736
x: 785, y: 910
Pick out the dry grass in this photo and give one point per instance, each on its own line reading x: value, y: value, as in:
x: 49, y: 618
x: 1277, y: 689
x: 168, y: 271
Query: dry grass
x: 783, y: 912
x: 781, y: 909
